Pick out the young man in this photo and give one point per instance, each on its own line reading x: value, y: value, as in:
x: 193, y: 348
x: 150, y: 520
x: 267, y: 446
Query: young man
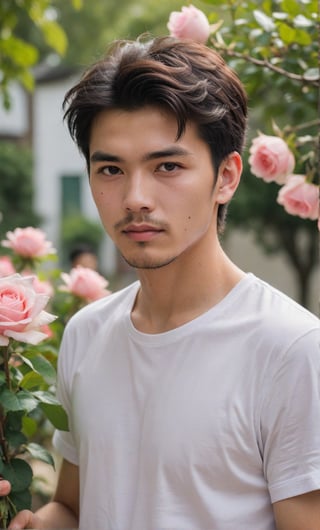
x: 192, y: 394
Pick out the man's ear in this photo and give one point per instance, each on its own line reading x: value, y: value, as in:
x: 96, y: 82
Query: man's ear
x: 228, y: 177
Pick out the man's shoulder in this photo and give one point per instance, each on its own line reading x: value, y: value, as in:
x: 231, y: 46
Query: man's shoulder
x: 118, y: 302
x: 279, y: 312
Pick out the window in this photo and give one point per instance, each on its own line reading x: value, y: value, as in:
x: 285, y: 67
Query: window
x: 70, y: 195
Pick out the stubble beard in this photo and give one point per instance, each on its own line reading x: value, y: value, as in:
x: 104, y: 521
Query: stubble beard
x: 147, y: 263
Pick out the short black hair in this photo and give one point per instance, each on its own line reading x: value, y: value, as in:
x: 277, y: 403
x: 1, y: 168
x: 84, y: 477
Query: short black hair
x: 188, y: 79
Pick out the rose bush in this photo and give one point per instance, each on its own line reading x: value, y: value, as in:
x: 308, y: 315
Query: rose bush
x: 27, y: 378
x: 299, y: 197
x: 28, y: 365
x: 271, y: 159
x: 189, y: 23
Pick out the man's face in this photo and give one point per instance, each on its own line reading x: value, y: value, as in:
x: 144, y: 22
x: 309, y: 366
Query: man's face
x: 155, y: 194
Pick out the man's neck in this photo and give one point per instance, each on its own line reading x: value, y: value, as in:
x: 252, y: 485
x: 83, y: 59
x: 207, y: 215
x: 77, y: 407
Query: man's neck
x: 177, y: 293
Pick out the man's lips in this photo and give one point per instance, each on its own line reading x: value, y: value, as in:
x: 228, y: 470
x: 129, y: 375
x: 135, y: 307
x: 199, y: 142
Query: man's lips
x: 141, y: 232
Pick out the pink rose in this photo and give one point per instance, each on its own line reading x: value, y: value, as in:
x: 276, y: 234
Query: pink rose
x: 189, y: 23
x: 28, y: 242
x: 299, y: 197
x: 21, y: 311
x: 85, y: 283
x: 271, y: 158
x: 6, y: 266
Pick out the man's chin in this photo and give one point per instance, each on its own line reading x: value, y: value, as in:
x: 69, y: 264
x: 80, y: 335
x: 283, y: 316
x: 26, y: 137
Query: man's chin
x: 147, y: 263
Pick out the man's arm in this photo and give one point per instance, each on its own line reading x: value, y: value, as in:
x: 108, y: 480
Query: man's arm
x: 62, y: 511
x: 298, y: 513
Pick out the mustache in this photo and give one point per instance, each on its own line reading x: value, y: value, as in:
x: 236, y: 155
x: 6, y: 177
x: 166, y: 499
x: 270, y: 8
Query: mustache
x: 139, y: 219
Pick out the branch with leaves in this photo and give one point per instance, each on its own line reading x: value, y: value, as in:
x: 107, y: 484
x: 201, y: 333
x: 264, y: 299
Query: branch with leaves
x: 18, y: 57
x: 271, y: 40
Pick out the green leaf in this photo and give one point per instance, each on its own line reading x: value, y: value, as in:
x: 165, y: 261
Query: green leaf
x: 9, y: 400
x: 303, y: 38
x: 286, y: 32
x: 290, y: 35
x: 19, y: 51
x: 18, y: 473
x: 14, y: 420
x: 40, y: 453
x: 54, y: 36
x: 22, y: 500
x: 56, y: 415
x: 46, y: 397
x: 27, y: 401
x: 39, y: 364
x: 29, y: 426
x: 15, y: 439
x: 31, y: 381
x: 291, y: 6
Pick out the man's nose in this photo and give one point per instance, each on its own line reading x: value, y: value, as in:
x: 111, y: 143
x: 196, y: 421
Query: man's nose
x: 138, y: 192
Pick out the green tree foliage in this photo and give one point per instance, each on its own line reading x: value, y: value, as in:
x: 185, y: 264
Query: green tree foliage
x: 99, y: 22
x: 16, y: 188
x: 23, y: 24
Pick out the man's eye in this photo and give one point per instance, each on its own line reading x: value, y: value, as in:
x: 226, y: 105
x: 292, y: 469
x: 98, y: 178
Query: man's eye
x: 110, y: 170
x: 168, y: 166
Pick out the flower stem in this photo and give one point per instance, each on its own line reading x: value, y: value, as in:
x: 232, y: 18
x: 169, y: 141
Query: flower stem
x: 3, y: 441
x: 6, y: 357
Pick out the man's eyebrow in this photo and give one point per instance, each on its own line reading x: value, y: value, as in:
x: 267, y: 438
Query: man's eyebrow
x: 164, y: 153
x: 101, y: 156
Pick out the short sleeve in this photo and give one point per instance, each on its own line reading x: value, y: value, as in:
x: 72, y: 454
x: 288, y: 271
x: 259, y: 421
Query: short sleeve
x: 290, y: 421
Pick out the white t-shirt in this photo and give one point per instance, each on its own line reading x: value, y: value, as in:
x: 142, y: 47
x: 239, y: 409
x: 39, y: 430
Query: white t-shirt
x: 198, y: 428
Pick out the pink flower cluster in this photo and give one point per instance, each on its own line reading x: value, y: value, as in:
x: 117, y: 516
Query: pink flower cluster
x: 22, y: 314
x: 28, y: 242
x: 189, y: 23
x: 273, y: 161
x: 85, y: 283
